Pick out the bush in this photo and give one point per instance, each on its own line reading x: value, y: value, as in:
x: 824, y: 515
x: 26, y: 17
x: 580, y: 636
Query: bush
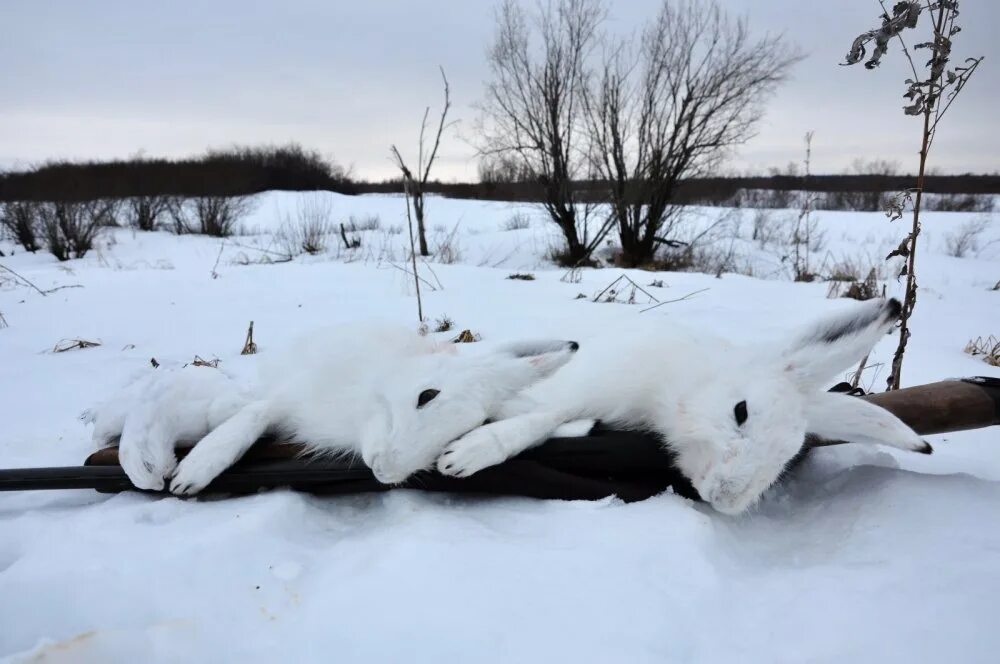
x: 960, y: 203
x: 370, y: 223
x: 144, y: 212
x: 70, y: 227
x: 517, y: 222
x: 20, y: 219
x: 216, y: 216
x: 966, y: 238
x: 308, y: 232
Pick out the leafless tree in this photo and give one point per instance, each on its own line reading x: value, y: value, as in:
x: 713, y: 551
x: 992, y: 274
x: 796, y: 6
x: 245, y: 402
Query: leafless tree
x: 533, y: 105
x: 671, y: 107
x: 929, y: 95
x: 416, y: 183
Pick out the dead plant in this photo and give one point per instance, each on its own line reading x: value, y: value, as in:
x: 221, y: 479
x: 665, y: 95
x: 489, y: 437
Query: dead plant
x: 249, y: 347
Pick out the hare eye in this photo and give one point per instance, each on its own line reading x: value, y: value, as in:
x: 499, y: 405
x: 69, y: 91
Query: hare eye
x: 426, y: 397
x: 740, y: 411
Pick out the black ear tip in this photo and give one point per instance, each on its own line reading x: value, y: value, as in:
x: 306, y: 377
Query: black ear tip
x: 926, y: 449
x: 893, y: 308
x: 573, y: 346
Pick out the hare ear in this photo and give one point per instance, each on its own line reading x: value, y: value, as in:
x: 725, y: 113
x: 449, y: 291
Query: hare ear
x: 842, y: 417
x: 544, y: 356
x: 837, y: 342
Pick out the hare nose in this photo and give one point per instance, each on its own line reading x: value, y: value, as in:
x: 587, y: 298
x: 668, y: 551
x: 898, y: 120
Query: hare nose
x: 382, y: 466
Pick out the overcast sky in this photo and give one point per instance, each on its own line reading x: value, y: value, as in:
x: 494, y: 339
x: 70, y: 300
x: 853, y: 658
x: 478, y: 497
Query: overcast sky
x: 110, y: 78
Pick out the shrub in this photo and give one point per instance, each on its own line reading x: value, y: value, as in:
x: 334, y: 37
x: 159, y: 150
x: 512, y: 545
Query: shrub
x: 309, y: 231
x: 144, y: 212
x: 70, y: 227
x: 216, y: 216
x: 517, y: 222
x: 966, y: 237
x: 20, y: 219
x: 960, y: 203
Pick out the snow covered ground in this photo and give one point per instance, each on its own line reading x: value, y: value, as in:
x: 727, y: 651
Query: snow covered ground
x: 864, y: 555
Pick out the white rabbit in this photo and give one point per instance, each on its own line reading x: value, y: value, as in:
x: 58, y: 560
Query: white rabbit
x: 732, y: 416
x: 379, y: 390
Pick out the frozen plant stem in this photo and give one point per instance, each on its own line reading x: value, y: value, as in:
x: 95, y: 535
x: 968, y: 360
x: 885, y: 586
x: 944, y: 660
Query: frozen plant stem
x: 413, y: 251
x: 910, y: 294
x: 925, y: 97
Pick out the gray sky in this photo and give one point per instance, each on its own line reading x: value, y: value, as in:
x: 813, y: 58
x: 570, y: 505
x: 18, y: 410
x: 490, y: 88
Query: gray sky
x: 348, y: 78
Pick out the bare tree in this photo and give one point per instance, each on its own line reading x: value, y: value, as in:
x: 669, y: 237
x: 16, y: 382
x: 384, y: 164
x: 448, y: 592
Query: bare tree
x: 416, y: 184
x: 671, y: 107
x: 929, y: 96
x: 533, y: 106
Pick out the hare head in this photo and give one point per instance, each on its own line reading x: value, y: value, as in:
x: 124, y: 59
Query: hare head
x: 430, y: 400
x: 734, y: 438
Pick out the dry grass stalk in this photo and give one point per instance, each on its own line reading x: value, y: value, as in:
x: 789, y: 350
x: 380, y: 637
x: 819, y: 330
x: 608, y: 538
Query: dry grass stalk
x: 443, y: 324
x: 679, y: 299
x: 199, y: 362
x: 74, y: 344
x: 218, y: 257
x: 988, y: 349
x: 864, y: 290
x: 249, y: 347
x: 613, y: 290
x: 3, y: 321
x: 857, y: 374
x: 467, y: 337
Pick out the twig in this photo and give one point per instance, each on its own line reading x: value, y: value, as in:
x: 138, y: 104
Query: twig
x: 857, y: 374
x: 59, y: 288
x: 413, y: 252
x: 635, y: 287
x: 410, y: 274
x: 215, y: 274
x: 691, y: 294
x: 199, y: 362
x: 74, y: 344
x: 427, y: 265
x: 23, y: 280
x: 286, y: 257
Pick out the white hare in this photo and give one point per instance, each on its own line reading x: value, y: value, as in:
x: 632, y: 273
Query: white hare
x: 378, y: 390
x: 732, y: 416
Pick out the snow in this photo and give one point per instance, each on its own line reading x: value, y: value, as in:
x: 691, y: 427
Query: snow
x: 863, y: 555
